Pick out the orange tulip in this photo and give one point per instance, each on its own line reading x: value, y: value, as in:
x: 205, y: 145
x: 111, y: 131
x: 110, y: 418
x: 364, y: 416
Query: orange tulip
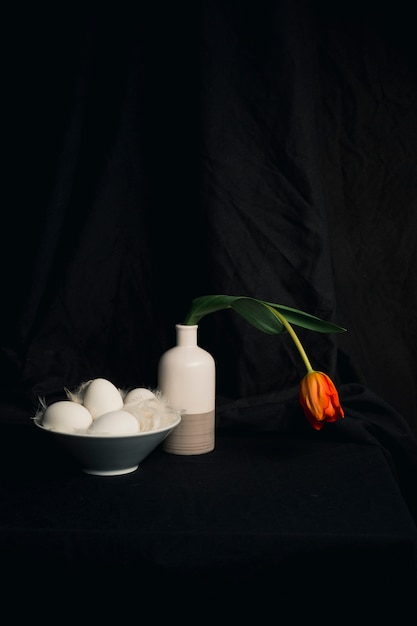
x: 319, y: 399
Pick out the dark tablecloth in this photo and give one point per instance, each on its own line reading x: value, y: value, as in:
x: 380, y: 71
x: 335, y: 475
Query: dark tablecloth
x: 271, y: 520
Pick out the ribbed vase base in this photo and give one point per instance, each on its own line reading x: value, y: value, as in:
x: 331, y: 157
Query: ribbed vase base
x: 193, y: 435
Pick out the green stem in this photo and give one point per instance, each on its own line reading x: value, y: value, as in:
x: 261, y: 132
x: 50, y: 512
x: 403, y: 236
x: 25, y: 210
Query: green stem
x: 295, y: 339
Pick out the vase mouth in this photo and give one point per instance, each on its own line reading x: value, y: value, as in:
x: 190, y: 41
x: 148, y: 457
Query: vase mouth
x: 189, y: 326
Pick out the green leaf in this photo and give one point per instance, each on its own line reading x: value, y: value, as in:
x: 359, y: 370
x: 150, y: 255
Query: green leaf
x: 305, y: 320
x: 206, y: 304
x: 258, y: 313
x: 254, y: 311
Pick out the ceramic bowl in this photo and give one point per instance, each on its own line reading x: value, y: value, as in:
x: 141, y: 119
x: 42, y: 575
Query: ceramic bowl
x: 109, y: 455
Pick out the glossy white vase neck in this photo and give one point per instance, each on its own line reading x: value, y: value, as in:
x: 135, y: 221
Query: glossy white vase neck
x: 186, y: 335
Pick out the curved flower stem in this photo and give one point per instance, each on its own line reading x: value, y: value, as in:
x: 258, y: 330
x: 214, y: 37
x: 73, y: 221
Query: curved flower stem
x: 294, y: 337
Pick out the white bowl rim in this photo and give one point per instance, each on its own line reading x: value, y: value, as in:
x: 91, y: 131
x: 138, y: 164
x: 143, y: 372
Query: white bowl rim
x: 93, y: 437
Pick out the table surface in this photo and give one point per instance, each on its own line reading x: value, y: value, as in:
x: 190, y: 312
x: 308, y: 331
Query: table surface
x: 261, y: 509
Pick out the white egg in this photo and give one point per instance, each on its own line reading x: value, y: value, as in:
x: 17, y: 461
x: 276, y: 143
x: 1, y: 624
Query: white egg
x: 101, y: 396
x: 66, y: 416
x: 115, y: 423
x: 138, y: 395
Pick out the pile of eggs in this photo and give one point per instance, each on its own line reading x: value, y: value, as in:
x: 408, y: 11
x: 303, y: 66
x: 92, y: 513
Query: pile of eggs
x: 98, y: 407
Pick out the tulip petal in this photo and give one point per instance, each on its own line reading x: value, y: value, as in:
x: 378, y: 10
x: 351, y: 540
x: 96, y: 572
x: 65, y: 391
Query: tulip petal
x: 319, y: 399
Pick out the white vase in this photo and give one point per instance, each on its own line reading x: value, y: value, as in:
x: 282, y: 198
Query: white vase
x: 187, y: 379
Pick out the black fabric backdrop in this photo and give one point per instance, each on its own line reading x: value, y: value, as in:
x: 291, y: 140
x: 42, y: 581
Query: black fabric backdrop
x: 173, y: 150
